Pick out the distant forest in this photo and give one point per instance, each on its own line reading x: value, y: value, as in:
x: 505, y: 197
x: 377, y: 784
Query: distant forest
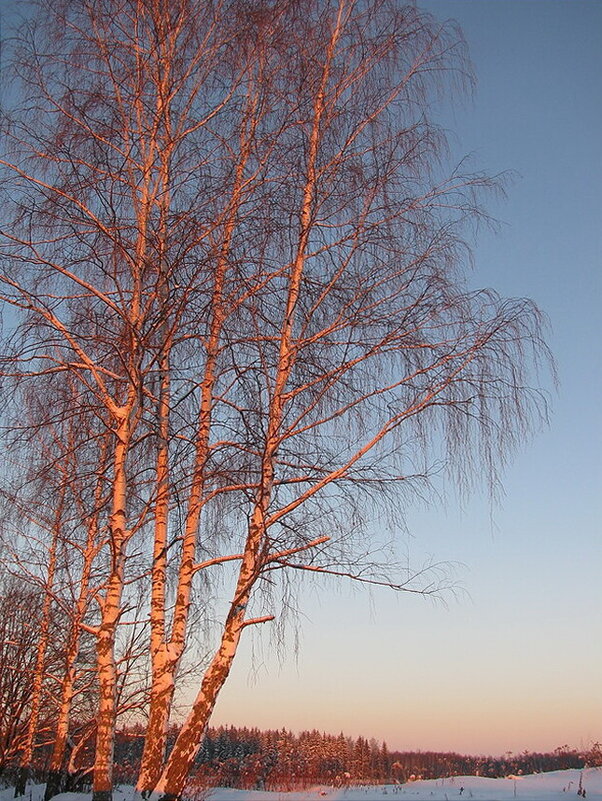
x: 280, y: 760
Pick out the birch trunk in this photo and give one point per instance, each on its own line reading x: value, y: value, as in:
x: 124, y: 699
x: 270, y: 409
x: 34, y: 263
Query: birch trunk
x: 173, y: 778
x: 56, y: 777
x: 166, y: 654
x: 162, y: 684
x: 110, y: 606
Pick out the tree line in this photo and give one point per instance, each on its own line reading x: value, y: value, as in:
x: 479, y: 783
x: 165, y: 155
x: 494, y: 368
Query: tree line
x: 238, y: 339
x: 280, y: 760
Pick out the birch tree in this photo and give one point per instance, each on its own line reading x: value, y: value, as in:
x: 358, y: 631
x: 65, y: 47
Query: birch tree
x: 52, y: 544
x: 232, y: 226
x: 41, y: 650
x: 367, y: 349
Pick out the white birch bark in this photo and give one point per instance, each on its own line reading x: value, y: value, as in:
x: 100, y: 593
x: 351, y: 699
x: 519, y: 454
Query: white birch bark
x: 67, y: 693
x: 173, y: 778
x: 167, y: 648
x: 110, y: 612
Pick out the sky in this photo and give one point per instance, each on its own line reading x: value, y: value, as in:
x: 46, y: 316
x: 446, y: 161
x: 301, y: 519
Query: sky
x: 513, y: 660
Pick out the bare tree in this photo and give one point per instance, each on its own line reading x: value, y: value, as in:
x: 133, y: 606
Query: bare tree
x: 51, y: 545
x: 232, y: 227
x: 39, y: 671
x: 56, y: 501
x: 19, y: 611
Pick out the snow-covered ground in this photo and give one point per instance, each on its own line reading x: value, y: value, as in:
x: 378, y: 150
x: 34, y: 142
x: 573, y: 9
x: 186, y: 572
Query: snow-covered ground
x: 560, y: 785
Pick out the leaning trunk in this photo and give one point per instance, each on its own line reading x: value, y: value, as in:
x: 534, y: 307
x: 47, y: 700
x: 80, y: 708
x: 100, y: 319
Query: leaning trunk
x: 172, y: 781
x: 167, y: 652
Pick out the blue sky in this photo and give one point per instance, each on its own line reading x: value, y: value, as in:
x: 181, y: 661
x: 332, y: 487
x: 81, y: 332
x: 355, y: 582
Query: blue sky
x: 514, y: 661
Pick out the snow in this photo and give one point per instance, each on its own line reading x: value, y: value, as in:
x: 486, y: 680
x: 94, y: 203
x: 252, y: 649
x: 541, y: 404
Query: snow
x: 560, y: 785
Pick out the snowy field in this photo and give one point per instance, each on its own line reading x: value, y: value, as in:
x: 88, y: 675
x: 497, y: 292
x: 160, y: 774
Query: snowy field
x: 560, y: 785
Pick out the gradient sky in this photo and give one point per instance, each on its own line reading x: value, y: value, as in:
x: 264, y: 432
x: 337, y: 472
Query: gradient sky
x: 515, y: 661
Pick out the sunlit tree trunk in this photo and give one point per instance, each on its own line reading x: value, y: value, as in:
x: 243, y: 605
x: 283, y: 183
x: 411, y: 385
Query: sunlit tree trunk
x: 173, y: 778
x: 167, y: 648
x: 110, y: 612
x: 179, y: 764
x: 55, y: 782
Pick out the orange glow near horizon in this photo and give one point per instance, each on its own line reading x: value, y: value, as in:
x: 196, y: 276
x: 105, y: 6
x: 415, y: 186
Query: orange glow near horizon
x: 446, y: 688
